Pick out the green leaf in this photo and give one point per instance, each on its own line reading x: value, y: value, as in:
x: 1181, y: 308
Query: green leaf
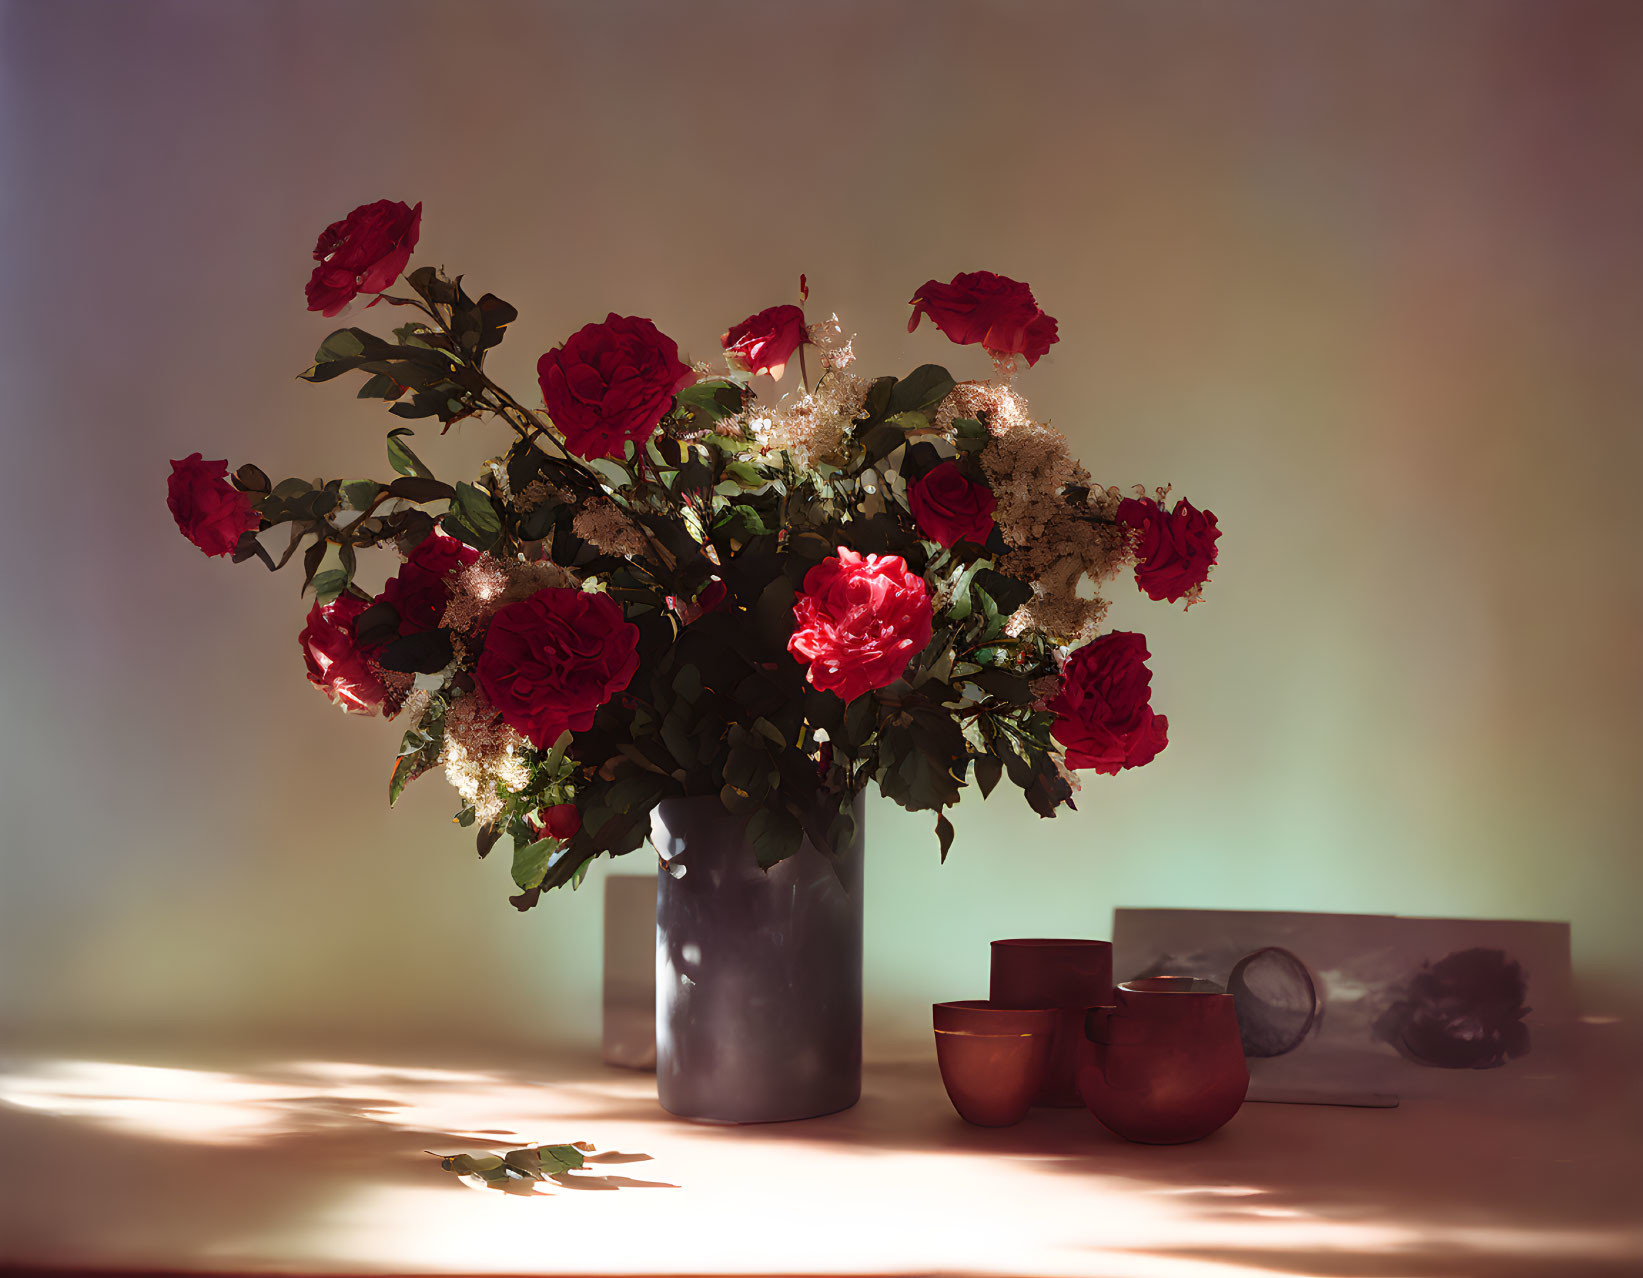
x: 859, y: 719
x: 969, y: 434
x: 959, y: 609
x: 560, y: 1158
x: 774, y: 834
x: 330, y: 584
x: 519, y: 1171
x: 530, y: 862
x: 878, y: 398
x: 992, y: 621
x: 329, y: 571
x: 527, y: 1162
x: 1009, y: 593
x: 745, y: 474
x: 1006, y: 685
x: 400, y: 456
x: 250, y: 479
x: 416, y: 488
x: 423, y: 652
x: 687, y: 683
x: 920, y: 391
x: 418, y: 750
x: 742, y: 522
x: 345, y: 343
x: 473, y: 519
x: 944, y: 832
x: 988, y: 770
x: 380, y: 386
x: 358, y: 494
x: 714, y: 399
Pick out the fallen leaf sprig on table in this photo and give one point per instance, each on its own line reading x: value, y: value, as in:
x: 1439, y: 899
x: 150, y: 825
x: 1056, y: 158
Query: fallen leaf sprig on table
x: 518, y: 1171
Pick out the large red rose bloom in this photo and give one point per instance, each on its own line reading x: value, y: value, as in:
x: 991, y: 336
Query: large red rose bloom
x: 364, y: 253
x: 336, y: 665
x: 610, y: 383
x: 949, y: 507
x: 209, y: 510
x: 763, y: 343
x: 1103, y: 712
x: 1173, y: 552
x: 994, y: 310
x: 551, y: 660
x: 420, y: 590
x: 859, y: 622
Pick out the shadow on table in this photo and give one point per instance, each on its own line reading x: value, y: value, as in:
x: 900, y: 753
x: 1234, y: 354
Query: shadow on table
x: 1282, y: 1189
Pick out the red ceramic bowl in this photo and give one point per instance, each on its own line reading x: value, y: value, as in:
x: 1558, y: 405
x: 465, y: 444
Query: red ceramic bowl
x: 993, y: 1059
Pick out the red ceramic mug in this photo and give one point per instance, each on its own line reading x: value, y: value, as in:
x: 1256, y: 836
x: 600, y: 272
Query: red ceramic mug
x: 1071, y: 975
x: 1164, y: 1064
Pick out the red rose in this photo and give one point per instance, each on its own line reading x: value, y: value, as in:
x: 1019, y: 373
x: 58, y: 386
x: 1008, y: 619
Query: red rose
x: 610, y: 383
x: 422, y: 587
x: 209, y: 510
x: 763, y: 343
x: 994, y: 310
x: 551, y: 660
x: 949, y: 508
x: 1173, y: 552
x: 561, y: 822
x: 1103, y: 712
x: 363, y: 253
x: 335, y: 663
x: 859, y: 622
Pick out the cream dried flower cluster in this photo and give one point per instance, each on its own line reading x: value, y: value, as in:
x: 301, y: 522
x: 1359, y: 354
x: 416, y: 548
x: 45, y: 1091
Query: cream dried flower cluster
x: 483, y: 757
x: 810, y: 427
x: 1066, y: 545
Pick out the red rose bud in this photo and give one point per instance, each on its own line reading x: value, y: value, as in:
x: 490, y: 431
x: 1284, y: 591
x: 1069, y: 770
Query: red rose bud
x: 610, y: 383
x: 552, y: 660
x: 561, y: 822
x: 994, y: 310
x: 859, y: 622
x: 209, y: 510
x: 1173, y: 552
x: 709, y: 598
x: 949, y: 507
x: 364, y: 253
x: 1103, y: 712
x: 763, y: 343
x: 336, y: 665
x: 422, y: 587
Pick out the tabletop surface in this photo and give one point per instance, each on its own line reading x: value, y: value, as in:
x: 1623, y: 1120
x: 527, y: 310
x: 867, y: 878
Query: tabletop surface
x: 234, y: 1162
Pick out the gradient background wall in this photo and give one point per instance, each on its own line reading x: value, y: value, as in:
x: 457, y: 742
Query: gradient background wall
x: 1363, y: 279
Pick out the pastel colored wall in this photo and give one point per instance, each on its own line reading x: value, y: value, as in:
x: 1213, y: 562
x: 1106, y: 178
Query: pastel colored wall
x: 1363, y: 279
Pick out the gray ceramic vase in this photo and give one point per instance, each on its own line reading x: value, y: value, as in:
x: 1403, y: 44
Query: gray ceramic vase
x: 758, y: 973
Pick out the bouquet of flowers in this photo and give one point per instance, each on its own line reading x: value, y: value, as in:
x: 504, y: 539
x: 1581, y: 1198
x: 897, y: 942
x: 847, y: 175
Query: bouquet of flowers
x: 671, y: 585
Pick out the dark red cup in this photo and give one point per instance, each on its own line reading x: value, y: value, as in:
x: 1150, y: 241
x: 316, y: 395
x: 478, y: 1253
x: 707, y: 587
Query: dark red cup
x: 1164, y: 1062
x: 1069, y: 975
x: 992, y: 1059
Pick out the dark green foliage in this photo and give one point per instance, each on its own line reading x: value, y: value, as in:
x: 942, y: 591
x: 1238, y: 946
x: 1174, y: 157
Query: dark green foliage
x: 720, y: 537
